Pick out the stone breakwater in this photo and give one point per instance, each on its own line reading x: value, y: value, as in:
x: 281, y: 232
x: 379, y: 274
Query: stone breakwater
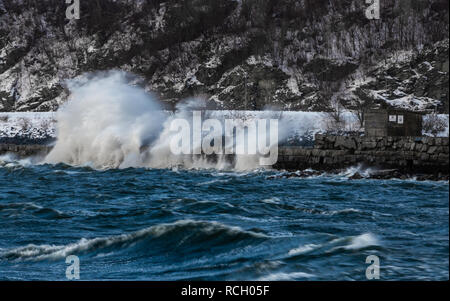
x: 394, y: 156
x: 25, y: 150
x: 428, y: 155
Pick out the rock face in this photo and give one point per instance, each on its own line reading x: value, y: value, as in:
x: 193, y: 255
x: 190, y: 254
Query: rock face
x: 246, y: 54
x: 417, y: 81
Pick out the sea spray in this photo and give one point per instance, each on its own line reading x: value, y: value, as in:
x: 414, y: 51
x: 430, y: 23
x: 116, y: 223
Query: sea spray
x: 105, y: 123
x: 108, y: 123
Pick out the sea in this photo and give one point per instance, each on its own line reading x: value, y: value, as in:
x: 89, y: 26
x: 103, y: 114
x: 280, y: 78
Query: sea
x: 207, y: 224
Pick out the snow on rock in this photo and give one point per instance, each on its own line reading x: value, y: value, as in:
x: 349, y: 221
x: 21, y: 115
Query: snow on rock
x: 29, y: 125
x: 294, y: 127
x: 293, y: 55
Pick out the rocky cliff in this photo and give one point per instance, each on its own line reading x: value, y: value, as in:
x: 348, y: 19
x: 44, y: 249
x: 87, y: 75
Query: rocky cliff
x: 238, y: 54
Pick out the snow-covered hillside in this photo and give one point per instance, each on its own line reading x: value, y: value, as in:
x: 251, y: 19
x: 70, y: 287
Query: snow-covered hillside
x: 246, y: 55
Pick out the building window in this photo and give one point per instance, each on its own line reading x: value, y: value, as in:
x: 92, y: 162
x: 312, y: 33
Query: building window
x: 392, y: 118
x: 400, y: 119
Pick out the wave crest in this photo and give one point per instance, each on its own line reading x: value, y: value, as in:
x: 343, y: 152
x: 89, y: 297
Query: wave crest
x: 181, y: 233
x: 348, y: 243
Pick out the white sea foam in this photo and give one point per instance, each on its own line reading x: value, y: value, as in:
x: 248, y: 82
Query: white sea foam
x: 348, y: 210
x: 215, y: 181
x: 363, y: 171
x: 108, y: 123
x: 280, y: 276
x: 362, y: 241
x: 358, y: 242
x: 105, y: 123
x: 273, y: 200
x: 303, y: 249
x: 10, y: 160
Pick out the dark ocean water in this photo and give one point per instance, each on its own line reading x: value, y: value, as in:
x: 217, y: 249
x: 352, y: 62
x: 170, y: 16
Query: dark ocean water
x: 141, y: 224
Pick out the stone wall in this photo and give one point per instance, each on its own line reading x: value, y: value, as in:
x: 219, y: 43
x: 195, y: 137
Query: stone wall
x: 411, y: 154
x: 24, y: 150
x: 407, y: 154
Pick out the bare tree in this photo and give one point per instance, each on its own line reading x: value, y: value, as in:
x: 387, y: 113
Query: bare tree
x: 359, y: 111
x: 336, y: 109
x: 24, y: 124
x: 335, y: 119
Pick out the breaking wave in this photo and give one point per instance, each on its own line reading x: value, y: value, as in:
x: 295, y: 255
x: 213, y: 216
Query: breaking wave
x: 182, y: 234
x: 11, y: 161
x: 108, y: 123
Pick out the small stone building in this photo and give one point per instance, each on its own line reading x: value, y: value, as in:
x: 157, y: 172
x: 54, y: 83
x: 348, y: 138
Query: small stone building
x: 392, y: 122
